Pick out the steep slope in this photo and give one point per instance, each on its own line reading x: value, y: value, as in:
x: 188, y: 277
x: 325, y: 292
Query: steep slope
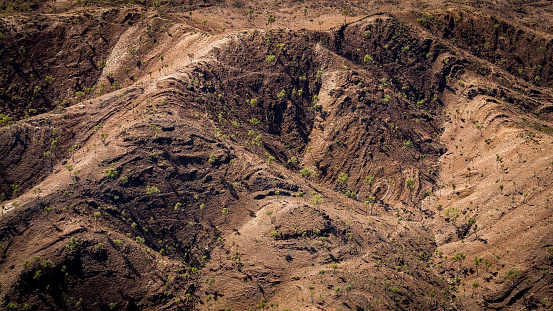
x: 288, y: 169
x: 155, y: 133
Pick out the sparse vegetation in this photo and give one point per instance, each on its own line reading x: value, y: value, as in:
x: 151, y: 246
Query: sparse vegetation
x: 165, y: 153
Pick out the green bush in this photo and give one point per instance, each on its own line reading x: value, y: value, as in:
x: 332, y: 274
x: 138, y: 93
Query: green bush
x: 212, y: 158
x: 37, y: 275
x: 410, y: 183
x: 72, y: 244
x: 316, y: 199
x: 111, y: 173
x: 343, y: 178
x: 5, y: 120
x: 252, y: 102
x: 307, y: 172
x: 270, y: 59
x: 512, y: 274
x: 316, y: 107
x: 369, y: 180
x: 257, y: 140
x: 152, y: 190
x: 45, y: 264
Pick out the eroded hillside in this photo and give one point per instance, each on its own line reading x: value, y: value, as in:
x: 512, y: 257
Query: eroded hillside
x: 364, y: 167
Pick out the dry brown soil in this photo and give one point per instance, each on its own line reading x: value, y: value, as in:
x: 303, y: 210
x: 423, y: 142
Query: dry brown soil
x: 192, y: 156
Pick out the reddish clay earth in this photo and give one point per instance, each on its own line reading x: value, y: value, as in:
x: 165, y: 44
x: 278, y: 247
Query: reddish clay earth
x: 199, y: 156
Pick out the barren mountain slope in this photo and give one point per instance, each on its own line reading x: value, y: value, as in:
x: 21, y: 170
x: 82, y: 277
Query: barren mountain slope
x: 364, y: 167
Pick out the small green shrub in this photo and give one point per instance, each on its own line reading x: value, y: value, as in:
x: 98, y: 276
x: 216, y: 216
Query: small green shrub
x: 307, y: 172
x: 45, y: 264
x: 152, y: 190
x: 369, y: 180
x: 111, y: 173
x: 252, y: 102
x: 212, y: 158
x: 316, y: 199
x: 270, y: 59
x: 37, y: 275
x: 343, y: 178
x: 72, y: 245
